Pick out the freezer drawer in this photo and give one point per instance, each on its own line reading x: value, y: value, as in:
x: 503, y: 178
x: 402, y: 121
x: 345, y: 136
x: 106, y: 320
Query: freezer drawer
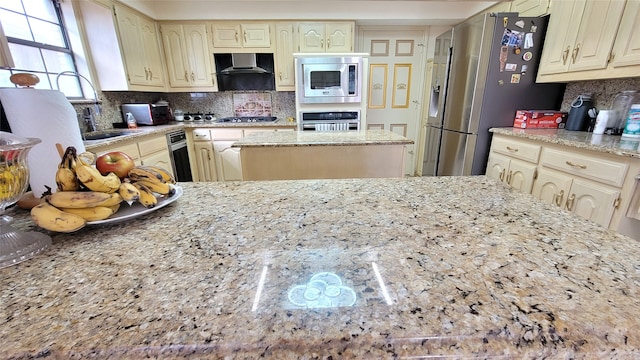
x: 456, y: 153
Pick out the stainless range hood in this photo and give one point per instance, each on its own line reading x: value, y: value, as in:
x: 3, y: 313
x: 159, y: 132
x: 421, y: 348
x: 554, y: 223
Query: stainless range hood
x: 244, y: 63
x: 245, y: 71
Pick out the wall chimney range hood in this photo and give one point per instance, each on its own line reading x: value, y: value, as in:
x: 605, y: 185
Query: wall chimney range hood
x: 245, y: 71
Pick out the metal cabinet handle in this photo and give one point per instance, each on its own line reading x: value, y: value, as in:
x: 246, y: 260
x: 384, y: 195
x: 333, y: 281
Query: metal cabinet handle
x: 509, y: 177
x: 501, y: 176
x: 244, y: 35
x: 236, y: 36
x: 186, y: 75
x: 193, y: 76
x: 146, y: 74
x: 328, y: 43
x: 558, y: 198
x: 322, y: 43
x: 512, y: 149
x: 581, y: 166
x: 570, y: 201
x: 574, y: 55
x: 280, y: 75
x: 565, y: 55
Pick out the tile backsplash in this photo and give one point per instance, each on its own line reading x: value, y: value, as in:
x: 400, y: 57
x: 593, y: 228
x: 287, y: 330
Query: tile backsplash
x: 602, y: 91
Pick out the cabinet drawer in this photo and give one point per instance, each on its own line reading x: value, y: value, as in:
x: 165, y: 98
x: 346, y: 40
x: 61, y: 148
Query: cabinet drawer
x: 598, y: 169
x: 153, y: 145
x: 201, y: 135
x: 129, y: 149
x: 226, y: 134
x: 516, y: 149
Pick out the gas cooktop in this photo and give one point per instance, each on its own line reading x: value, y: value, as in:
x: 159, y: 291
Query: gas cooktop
x: 247, y: 119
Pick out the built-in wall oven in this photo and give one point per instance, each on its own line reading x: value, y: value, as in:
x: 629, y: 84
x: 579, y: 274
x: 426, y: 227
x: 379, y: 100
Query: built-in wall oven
x: 330, y: 120
x: 177, y: 141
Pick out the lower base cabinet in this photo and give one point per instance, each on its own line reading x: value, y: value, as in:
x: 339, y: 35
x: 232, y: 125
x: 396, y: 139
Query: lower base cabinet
x: 205, y: 163
x: 517, y: 174
x: 229, y: 165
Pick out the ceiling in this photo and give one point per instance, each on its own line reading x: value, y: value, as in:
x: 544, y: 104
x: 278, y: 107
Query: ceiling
x: 365, y: 12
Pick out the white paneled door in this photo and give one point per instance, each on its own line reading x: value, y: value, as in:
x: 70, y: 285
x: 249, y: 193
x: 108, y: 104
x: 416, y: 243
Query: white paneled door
x: 395, y: 84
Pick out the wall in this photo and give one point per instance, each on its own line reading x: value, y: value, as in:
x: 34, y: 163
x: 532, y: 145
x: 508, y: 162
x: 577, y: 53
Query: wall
x: 218, y: 103
x: 603, y: 91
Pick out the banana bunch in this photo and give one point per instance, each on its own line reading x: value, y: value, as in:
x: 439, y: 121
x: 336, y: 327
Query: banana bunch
x: 85, y: 195
x: 149, y: 181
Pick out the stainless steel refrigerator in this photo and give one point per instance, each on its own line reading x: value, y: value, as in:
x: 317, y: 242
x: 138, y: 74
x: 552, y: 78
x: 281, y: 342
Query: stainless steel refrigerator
x: 484, y: 70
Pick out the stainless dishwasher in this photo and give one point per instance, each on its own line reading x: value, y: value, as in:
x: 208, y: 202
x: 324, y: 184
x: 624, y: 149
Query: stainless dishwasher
x: 177, y: 141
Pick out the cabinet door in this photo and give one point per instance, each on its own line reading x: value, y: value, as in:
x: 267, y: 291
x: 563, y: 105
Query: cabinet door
x: 592, y: 201
x: 530, y: 7
x: 497, y: 166
x: 311, y: 37
x: 596, y: 34
x: 256, y: 35
x: 175, y: 53
x: 228, y: 162
x: 520, y: 175
x: 284, y: 57
x: 226, y: 35
x: 152, y: 54
x: 626, y: 49
x: 552, y: 187
x: 205, y: 163
x: 563, y: 25
x: 198, y: 55
x: 132, y: 47
x: 161, y: 159
x: 339, y: 37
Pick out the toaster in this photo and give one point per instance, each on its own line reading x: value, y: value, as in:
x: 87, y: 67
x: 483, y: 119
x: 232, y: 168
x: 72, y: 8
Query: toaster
x: 147, y: 114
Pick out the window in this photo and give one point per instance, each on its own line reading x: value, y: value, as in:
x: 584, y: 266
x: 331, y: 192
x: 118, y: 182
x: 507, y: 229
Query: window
x: 39, y: 44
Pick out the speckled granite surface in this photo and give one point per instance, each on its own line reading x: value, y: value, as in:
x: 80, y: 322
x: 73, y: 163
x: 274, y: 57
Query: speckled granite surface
x: 611, y: 144
x: 334, y: 138
x: 439, y: 266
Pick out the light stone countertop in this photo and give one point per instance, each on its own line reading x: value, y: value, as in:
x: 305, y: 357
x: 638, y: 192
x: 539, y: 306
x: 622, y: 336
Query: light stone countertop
x: 612, y: 144
x: 320, y: 138
x: 439, y: 266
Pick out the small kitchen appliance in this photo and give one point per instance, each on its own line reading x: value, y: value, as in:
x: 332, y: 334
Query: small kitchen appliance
x: 330, y: 120
x: 329, y: 79
x: 580, y: 113
x: 620, y: 108
x: 147, y: 114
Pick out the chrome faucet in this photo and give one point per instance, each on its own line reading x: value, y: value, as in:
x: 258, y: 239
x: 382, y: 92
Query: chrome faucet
x: 89, y: 120
x: 96, y: 103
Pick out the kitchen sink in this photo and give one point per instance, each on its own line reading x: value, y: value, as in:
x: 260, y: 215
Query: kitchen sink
x: 106, y: 134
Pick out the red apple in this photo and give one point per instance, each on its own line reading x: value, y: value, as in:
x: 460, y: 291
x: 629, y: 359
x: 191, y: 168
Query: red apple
x: 115, y: 162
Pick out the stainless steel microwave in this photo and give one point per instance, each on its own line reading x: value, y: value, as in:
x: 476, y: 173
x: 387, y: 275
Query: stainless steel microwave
x: 329, y: 79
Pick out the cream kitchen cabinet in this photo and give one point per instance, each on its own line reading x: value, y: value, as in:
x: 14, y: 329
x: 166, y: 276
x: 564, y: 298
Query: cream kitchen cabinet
x: 203, y: 163
x: 582, y: 35
x: 513, y: 162
x: 187, y: 54
x: 285, y: 69
x: 233, y: 35
x: 530, y: 7
x: 626, y: 48
x: 326, y: 36
x: 140, y: 47
x: 228, y: 163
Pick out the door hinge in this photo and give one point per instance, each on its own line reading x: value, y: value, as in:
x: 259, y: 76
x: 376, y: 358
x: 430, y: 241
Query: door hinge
x: 616, y: 203
x: 535, y: 174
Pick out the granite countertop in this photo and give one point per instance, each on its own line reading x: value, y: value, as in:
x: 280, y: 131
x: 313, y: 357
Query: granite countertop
x: 320, y: 138
x: 612, y: 144
x: 432, y: 266
x: 141, y: 131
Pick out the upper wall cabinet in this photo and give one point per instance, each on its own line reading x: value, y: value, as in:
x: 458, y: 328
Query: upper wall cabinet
x: 232, y: 35
x: 326, y: 36
x: 626, y: 48
x: 140, y: 47
x: 530, y: 7
x: 187, y: 55
x: 123, y: 46
x: 590, y: 40
x: 284, y: 57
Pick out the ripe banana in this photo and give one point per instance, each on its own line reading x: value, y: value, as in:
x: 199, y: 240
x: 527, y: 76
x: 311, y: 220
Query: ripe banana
x: 93, y: 180
x: 115, y: 199
x: 95, y: 213
x: 66, y: 178
x: 160, y: 188
x: 51, y: 218
x: 166, y: 175
x: 129, y: 192
x: 87, y: 157
x: 78, y: 199
x: 147, y: 197
x: 145, y: 173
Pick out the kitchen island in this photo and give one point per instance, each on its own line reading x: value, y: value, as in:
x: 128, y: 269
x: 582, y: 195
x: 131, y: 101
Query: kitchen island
x: 296, y: 155
x: 354, y: 268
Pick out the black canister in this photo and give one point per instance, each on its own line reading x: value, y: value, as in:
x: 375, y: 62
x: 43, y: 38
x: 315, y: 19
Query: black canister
x: 579, y: 113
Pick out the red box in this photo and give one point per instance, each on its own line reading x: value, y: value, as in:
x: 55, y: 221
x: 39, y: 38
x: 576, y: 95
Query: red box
x: 540, y: 119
